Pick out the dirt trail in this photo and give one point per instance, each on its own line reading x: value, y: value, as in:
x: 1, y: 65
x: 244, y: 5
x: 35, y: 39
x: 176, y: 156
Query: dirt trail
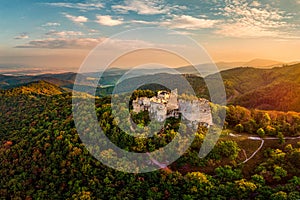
x: 262, y: 143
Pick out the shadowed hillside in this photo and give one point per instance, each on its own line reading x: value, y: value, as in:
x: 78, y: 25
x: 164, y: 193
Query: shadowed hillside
x: 271, y: 89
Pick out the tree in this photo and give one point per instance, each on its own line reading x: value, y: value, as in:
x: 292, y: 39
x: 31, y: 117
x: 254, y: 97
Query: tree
x: 279, y: 196
x: 295, y: 158
x: 197, y: 183
x: 266, y: 120
x: 251, y: 126
x: 294, y: 195
x: 279, y: 173
x: 226, y: 173
x: 260, y: 132
x: 229, y: 149
x: 239, y: 128
x: 270, y: 130
x: 281, y: 138
x: 244, y: 188
x: 258, y: 179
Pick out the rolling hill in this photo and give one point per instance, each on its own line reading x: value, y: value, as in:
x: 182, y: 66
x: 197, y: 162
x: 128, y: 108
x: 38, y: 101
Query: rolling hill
x: 34, y: 88
x: 276, y: 88
x: 270, y: 89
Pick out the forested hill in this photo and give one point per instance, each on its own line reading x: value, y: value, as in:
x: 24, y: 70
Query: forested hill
x: 270, y: 89
x: 34, y: 88
x: 42, y: 156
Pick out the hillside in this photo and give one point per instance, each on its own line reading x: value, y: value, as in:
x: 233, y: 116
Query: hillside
x: 63, y: 80
x: 42, y: 156
x: 271, y: 89
x: 268, y: 89
x: 284, y: 96
x: 34, y: 88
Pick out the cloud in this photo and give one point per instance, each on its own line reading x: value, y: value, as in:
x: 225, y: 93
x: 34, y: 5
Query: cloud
x: 144, y: 22
x: 81, y: 6
x: 93, y: 31
x: 242, y: 30
x: 255, y: 4
x: 51, y: 24
x: 149, y: 7
x: 189, y: 22
x: 244, y: 20
x: 182, y: 33
x: 62, y: 43
x: 64, y: 33
x: 76, y: 19
x: 84, y: 43
x: 107, y: 20
x: 21, y: 36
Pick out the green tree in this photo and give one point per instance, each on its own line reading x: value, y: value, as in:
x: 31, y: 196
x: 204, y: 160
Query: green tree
x: 239, y: 128
x: 279, y: 196
x: 279, y: 173
x: 260, y: 132
x: 281, y: 138
x: 245, y: 188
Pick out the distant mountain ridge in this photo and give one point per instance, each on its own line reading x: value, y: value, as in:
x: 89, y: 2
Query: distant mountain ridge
x: 256, y: 63
x: 276, y: 88
x: 262, y: 63
x: 210, y: 68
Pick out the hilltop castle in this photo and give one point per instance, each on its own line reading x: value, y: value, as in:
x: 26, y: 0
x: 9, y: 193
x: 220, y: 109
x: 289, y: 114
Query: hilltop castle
x: 166, y: 104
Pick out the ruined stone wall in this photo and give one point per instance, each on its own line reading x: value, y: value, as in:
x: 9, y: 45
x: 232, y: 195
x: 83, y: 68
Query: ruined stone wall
x: 196, y: 111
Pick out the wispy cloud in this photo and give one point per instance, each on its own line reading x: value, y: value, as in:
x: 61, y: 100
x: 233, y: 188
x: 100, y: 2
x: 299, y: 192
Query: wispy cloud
x: 76, y: 19
x: 145, y: 22
x: 242, y: 30
x: 83, y: 43
x: 182, y: 33
x: 21, y: 36
x: 81, y: 6
x: 149, y: 7
x: 51, y: 24
x: 107, y: 20
x: 252, y: 20
x: 93, y: 32
x: 62, y: 43
x: 189, y: 22
x: 64, y: 33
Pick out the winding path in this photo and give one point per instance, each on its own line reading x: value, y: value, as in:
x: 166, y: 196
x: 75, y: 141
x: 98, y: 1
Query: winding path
x: 262, y: 143
x: 168, y: 170
x: 257, y: 150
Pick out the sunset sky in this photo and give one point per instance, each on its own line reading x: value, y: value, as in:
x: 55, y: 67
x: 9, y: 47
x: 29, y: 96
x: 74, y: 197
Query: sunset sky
x: 58, y: 34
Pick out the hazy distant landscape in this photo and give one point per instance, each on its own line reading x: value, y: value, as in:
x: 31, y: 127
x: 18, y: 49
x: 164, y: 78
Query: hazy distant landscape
x: 21, y: 70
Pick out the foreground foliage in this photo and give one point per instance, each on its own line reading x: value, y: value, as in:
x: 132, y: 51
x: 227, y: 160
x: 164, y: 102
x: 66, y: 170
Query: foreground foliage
x: 42, y: 157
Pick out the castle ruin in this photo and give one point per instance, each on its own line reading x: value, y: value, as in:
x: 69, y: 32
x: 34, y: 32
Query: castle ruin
x: 166, y: 104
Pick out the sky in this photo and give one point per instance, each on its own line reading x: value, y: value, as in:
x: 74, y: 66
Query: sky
x: 59, y: 34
